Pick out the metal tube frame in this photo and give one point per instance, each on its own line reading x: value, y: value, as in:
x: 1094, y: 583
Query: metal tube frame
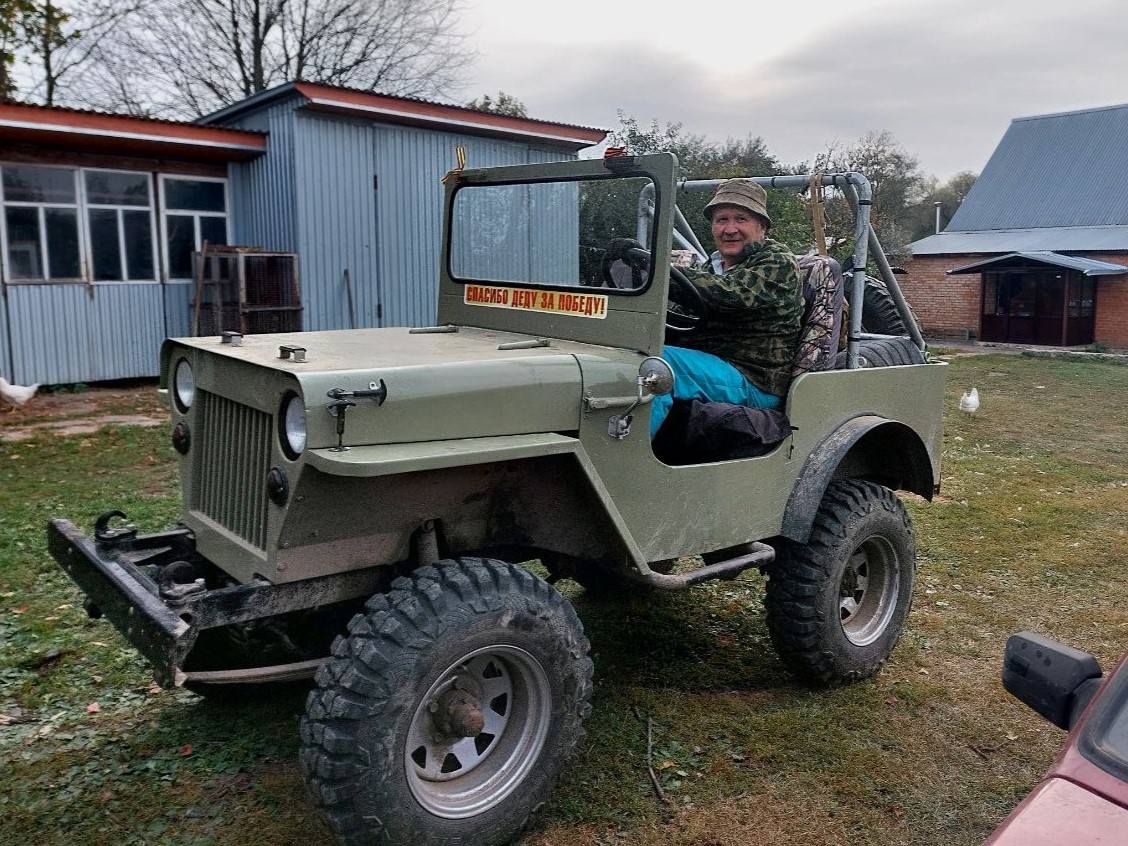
x: 858, y: 192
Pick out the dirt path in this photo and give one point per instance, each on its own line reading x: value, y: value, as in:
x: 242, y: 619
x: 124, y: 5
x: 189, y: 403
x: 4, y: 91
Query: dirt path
x: 84, y: 412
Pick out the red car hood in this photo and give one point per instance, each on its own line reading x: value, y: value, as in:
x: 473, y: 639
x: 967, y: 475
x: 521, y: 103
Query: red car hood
x: 1060, y: 813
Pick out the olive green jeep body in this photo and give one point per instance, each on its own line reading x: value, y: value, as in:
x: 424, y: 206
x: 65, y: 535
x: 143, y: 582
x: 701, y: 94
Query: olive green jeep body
x: 405, y: 466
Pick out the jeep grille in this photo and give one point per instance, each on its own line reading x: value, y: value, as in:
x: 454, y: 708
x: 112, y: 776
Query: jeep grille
x: 231, y: 466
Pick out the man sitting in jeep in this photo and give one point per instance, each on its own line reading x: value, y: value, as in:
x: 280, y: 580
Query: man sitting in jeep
x: 743, y: 354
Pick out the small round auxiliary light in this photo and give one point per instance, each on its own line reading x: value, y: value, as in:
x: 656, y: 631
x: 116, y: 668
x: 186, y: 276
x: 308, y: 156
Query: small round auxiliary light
x: 181, y: 438
x: 277, y: 486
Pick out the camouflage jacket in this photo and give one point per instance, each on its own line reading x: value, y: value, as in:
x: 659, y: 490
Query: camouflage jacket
x: 756, y: 309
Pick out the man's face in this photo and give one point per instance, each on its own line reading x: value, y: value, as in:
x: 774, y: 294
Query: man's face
x: 735, y: 228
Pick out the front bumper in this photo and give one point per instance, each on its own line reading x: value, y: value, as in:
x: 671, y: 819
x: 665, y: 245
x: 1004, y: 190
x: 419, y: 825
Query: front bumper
x: 108, y: 572
x: 137, y: 582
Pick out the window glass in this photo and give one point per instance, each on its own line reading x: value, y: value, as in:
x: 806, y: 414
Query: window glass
x: 25, y: 260
x: 194, y: 195
x: 213, y: 230
x: 181, y: 243
x: 104, y: 244
x: 23, y: 184
x: 546, y: 233
x: 138, y: 244
x: 107, y: 188
x: 1051, y: 293
x: 62, y: 243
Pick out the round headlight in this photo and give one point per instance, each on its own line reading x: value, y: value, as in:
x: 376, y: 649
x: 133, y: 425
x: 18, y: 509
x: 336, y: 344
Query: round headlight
x: 183, y: 385
x: 293, y: 426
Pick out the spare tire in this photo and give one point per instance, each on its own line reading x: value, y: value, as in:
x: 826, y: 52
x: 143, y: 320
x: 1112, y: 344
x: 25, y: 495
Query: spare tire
x: 879, y: 311
x: 883, y: 352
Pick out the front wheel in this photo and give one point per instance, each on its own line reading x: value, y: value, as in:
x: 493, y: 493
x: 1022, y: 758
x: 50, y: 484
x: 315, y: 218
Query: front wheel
x: 836, y: 606
x: 449, y: 710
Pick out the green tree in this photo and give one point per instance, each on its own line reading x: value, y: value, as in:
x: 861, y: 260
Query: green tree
x: 504, y: 104
x: 700, y: 158
x: 12, y: 37
x: 49, y: 35
x: 940, y: 201
x: 898, y: 188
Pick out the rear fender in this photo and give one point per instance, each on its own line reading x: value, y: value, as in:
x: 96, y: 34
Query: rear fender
x: 867, y: 447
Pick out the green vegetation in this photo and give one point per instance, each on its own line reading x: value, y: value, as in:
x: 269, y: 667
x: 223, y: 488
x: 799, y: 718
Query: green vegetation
x: 1029, y: 533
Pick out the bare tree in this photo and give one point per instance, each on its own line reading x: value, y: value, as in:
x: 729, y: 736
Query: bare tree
x: 60, y: 44
x: 184, y: 58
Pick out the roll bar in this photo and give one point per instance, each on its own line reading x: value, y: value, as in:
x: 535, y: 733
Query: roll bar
x: 858, y: 192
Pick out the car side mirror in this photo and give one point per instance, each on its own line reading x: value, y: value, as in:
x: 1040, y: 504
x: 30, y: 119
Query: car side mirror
x: 655, y: 379
x: 1055, y: 680
x: 655, y: 376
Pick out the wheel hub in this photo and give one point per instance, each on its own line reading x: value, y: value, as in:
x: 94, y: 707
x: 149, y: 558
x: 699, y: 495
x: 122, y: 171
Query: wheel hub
x: 457, y: 713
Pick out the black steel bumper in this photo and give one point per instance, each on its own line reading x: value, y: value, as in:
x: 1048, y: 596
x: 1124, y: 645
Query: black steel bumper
x: 107, y: 572
x: 163, y: 620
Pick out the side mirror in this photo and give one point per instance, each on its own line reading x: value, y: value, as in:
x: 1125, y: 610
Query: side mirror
x: 1055, y: 680
x: 655, y: 379
x: 655, y: 376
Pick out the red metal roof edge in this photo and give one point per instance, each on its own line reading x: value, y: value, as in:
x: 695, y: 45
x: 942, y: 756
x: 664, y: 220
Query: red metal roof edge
x: 425, y: 110
x: 31, y: 116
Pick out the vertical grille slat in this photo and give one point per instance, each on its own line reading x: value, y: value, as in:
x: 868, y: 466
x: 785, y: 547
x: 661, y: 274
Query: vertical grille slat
x: 231, y: 466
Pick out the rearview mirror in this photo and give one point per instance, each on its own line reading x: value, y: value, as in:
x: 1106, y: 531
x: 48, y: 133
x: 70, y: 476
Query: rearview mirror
x: 1055, y: 680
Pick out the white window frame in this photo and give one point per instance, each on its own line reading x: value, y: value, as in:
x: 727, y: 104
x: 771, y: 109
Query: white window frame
x: 41, y: 208
x: 196, y: 215
x: 122, y: 258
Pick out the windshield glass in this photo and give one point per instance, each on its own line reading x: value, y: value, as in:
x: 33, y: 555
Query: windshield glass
x: 547, y: 234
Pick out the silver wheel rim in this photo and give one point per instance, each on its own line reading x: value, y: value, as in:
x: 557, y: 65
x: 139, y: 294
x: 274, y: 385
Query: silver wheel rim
x: 867, y: 594
x: 462, y: 769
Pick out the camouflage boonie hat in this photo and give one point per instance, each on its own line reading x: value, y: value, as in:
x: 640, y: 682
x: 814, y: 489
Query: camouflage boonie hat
x: 743, y: 193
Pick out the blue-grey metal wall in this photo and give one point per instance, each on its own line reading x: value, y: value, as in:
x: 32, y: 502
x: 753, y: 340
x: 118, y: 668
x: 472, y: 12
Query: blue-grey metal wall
x: 84, y: 333
x: 411, y: 164
x: 5, y: 347
x: 351, y: 194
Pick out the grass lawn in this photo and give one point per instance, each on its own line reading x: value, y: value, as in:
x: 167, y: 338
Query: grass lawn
x: 1030, y: 532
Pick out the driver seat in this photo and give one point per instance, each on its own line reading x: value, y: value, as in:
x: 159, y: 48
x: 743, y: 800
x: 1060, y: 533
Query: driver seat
x: 821, y: 329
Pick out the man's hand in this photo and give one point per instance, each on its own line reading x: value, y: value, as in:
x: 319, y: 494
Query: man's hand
x: 617, y: 248
x: 683, y: 258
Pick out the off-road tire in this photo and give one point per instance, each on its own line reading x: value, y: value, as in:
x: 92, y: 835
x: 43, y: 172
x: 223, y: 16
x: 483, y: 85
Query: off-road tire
x: 883, y: 352
x: 879, y: 312
x: 836, y: 606
x: 374, y: 762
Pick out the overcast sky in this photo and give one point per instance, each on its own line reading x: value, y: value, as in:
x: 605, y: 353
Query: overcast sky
x: 945, y: 77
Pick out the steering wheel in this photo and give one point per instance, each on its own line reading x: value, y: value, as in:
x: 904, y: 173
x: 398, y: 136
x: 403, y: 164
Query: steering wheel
x: 686, y: 310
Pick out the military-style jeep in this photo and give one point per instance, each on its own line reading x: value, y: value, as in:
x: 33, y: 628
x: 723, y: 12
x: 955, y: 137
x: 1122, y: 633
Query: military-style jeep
x: 357, y: 504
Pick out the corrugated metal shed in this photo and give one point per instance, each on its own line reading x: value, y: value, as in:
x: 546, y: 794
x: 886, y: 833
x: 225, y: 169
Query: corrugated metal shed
x: 1067, y: 239
x: 352, y: 182
x: 1052, y: 171
x: 1084, y: 266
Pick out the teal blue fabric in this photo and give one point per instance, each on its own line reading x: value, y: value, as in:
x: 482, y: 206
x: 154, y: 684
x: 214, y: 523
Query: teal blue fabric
x: 702, y: 376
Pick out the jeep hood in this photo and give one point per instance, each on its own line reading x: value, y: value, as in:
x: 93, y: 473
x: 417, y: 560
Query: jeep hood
x: 440, y: 384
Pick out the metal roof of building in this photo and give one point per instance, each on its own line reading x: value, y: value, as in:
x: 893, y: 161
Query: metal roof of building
x: 1053, y: 171
x: 1065, y: 239
x: 104, y: 132
x: 1089, y: 267
x: 412, y: 111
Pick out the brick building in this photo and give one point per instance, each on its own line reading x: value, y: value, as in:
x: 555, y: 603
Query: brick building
x: 1037, y: 253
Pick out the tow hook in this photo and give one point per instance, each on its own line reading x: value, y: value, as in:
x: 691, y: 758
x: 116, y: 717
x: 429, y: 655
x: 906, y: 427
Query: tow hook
x: 112, y: 537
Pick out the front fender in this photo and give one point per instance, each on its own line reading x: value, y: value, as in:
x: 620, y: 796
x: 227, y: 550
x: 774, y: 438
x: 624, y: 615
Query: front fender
x: 358, y: 507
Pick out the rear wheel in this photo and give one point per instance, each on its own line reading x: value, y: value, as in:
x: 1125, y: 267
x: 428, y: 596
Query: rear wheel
x: 447, y: 713
x: 837, y: 605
